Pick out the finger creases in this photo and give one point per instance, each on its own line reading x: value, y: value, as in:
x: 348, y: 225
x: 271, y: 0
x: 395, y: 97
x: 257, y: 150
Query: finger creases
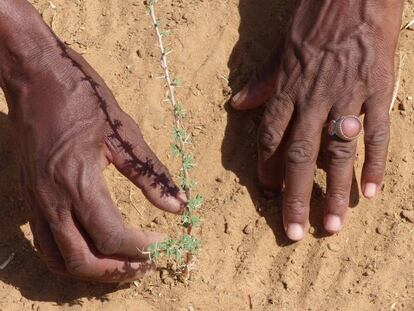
x: 271, y: 135
x: 340, y: 157
x: 301, y: 152
x: 340, y: 163
x: 83, y: 261
x: 43, y: 238
x: 103, y: 222
x: 376, y: 139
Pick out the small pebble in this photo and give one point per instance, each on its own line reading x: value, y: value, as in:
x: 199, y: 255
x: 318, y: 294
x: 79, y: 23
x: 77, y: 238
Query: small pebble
x: 334, y: 247
x: 382, y: 229
x: 165, y: 277
x: 261, y: 222
x: 227, y: 228
x: 219, y: 180
x: 159, y: 220
x: 248, y: 229
x: 367, y: 273
x: 409, y: 215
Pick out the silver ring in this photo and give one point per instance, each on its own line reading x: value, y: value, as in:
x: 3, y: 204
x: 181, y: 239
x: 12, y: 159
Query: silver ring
x: 335, y: 128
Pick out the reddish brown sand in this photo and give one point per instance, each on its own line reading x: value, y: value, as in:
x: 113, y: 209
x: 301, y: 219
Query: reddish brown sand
x: 246, y: 262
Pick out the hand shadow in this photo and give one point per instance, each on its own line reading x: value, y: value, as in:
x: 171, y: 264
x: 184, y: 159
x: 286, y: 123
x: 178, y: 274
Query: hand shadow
x: 263, y: 26
x: 26, y: 271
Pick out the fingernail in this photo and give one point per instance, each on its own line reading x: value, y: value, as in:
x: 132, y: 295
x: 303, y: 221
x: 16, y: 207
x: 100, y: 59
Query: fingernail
x: 180, y: 203
x: 370, y: 190
x: 294, y: 232
x: 182, y: 197
x: 239, y: 98
x: 333, y: 223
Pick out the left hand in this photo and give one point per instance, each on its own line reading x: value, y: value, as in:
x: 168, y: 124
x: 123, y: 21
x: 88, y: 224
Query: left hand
x: 338, y: 60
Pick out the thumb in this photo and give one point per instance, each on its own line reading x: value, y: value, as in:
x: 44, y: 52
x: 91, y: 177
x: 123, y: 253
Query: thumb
x: 135, y: 160
x: 261, y: 87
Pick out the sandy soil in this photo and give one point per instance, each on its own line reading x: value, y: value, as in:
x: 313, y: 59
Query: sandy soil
x: 216, y: 44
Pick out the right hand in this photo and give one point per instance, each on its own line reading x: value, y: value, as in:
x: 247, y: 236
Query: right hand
x: 70, y: 128
x: 337, y: 61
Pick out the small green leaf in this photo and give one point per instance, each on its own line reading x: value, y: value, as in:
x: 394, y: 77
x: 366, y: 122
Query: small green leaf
x: 175, y: 150
x: 195, y: 202
x: 179, y: 134
x: 185, y: 183
x: 189, y: 244
x: 165, y: 33
x: 187, y: 162
x: 190, y: 221
x: 176, y: 82
x: 179, y: 111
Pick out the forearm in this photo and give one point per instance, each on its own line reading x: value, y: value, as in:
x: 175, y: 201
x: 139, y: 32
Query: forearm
x: 26, y: 43
x: 29, y: 54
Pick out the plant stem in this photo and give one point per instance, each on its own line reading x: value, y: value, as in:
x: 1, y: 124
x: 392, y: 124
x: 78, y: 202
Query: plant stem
x: 172, y: 99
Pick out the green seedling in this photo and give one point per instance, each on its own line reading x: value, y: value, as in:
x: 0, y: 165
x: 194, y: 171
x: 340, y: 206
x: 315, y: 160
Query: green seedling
x: 177, y: 251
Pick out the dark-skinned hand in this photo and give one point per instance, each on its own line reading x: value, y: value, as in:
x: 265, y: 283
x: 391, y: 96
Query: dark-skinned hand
x: 70, y: 127
x: 337, y: 60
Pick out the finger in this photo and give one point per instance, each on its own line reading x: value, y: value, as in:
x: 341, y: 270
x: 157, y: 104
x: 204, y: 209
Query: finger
x: 376, y: 138
x: 301, y: 154
x: 134, y: 159
x: 271, y: 132
x: 43, y: 238
x: 340, y: 158
x: 102, y: 220
x: 83, y: 262
x: 48, y: 250
x: 261, y: 87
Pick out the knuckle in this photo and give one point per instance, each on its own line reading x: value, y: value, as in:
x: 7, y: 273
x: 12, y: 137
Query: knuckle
x: 340, y: 197
x: 111, y: 241
x: 40, y: 187
x: 377, y: 139
x: 295, y: 207
x: 77, y: 264
x: 269, y: 138
x: 374, y: 166
x: 272, y: 128
x: 341, y: 153
x: 300, y: 152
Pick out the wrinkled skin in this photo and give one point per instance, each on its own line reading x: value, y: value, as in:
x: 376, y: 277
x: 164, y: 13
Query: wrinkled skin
x: 70, y: 127
x: 337, y: 60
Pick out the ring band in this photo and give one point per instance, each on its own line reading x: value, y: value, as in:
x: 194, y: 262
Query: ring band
x: 335, y: 128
